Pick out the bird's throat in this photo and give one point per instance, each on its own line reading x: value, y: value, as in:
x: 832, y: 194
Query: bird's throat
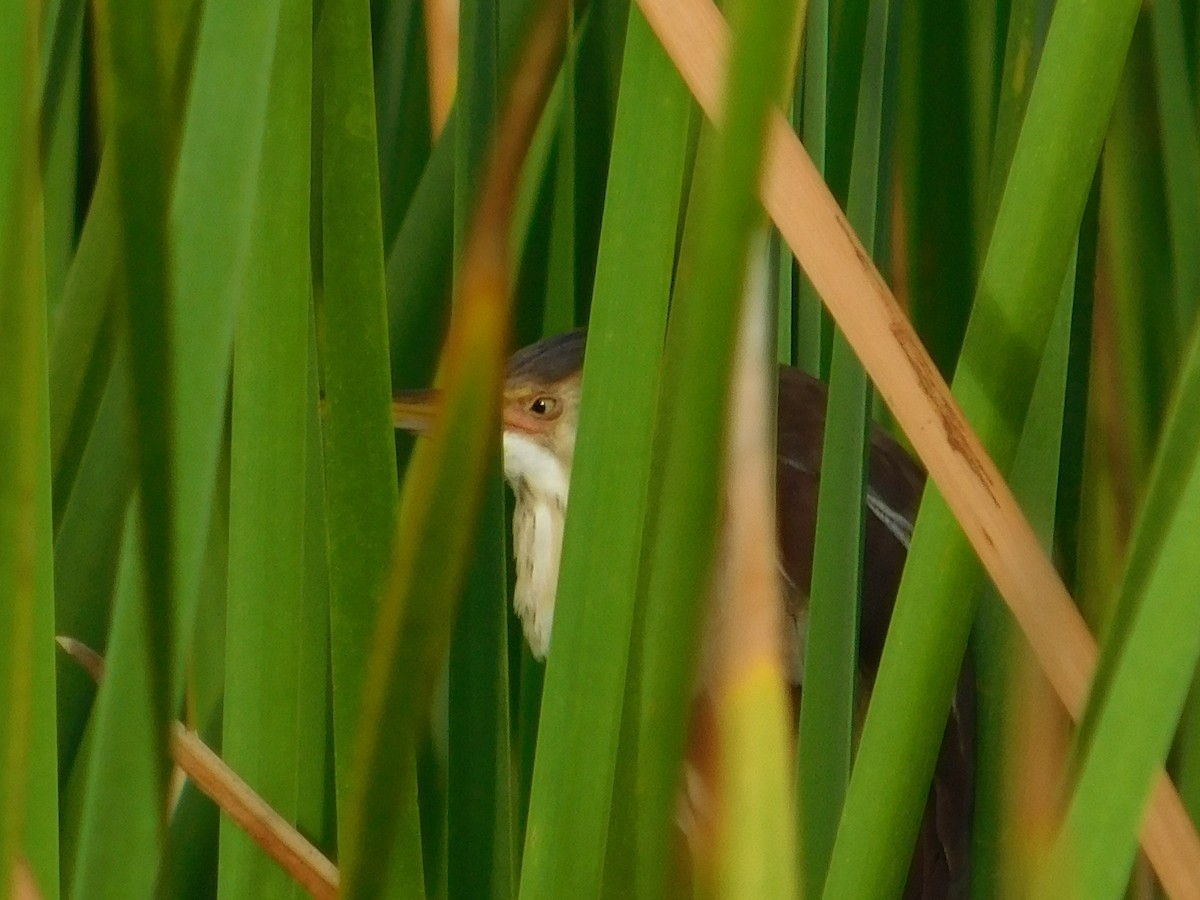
x: 537, y: 547
x: 539, y: 483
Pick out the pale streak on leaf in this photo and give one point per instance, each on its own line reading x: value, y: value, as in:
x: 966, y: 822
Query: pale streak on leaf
x: 24, y: 887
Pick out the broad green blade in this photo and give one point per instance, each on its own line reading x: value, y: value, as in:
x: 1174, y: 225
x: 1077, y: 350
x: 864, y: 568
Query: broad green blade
x: 755, y: 845
x: 1147, y: 662
x: 267, y: 630
x: 993, y: 652
x: 360, y: 468
x: 1036, y: 473
x: 572, y: 799
x: 412, y: 631
x: 690, y: 448
x: 1022, y: 275
x: 28, y: 784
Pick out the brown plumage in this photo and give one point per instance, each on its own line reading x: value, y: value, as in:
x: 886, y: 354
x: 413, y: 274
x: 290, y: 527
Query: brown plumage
x: 540, y: 417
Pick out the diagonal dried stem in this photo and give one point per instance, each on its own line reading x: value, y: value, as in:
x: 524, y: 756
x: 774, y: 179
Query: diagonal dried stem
x: 274, y: 834
x: 696, y: 38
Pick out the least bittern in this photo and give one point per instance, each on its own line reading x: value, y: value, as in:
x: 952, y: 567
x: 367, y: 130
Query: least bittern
x: 540, y: 414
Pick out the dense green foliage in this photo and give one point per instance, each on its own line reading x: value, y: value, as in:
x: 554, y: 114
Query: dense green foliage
x: 228, y: 230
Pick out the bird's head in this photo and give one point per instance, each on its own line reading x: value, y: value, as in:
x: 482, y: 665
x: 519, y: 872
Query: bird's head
x: 539, y: 416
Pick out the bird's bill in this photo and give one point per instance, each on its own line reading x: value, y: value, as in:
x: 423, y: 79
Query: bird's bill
x: 416, y: 411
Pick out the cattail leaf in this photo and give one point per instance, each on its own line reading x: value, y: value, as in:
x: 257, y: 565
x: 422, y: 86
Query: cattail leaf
x: 414, y: 622
x: 1017, y: 286
x: 691, y: 420
x: 585, y: 682
x: 1146, y: 664
x: 828, y: 707
x: 266, y: 639
x: 28, y: 784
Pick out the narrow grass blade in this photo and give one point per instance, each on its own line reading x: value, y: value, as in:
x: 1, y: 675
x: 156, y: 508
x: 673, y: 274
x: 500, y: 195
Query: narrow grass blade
x: 212, y: 217
x: 559, y: 309
x: 28, y: 784
x: 480, y: 819
x: 62, y: 84
x: 317, y: 809
x: 984, y: 56
x: 601, y: 30
x: 1181, y: 154
x: 938, y: 202
x: 1023, y: 43
x: 266, y: 597
x: 691, y: 419
x: 1074, y: 473
x: 847, y: 33
x: 398, y: 33
x: 86, y: 551
x: 83, y: 340
x: 419, y: 269
x: 813, y: 97
x: 133, y: 48
x: 1143, y: 340
x: 1148, y: 663
x: 477, y: 96
x: 830, y: 672
x: 480, y: 822
x: 585, y: 681
x: 123, y: 802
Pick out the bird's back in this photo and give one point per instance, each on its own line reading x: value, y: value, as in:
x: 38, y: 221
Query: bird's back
x: 940, y: 866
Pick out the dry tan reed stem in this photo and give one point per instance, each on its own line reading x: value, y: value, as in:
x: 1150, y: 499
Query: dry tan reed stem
x: 795, y: 196
x: 274, y: 834
x: 441, y: 38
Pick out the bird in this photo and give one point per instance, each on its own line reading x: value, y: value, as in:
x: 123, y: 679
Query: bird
x: 540, y: 418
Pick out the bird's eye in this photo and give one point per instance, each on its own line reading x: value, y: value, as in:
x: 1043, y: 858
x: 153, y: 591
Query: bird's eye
x: 543, y: 406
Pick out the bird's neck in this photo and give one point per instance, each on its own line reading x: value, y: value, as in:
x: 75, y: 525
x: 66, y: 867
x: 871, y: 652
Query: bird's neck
x: 540, y: 484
